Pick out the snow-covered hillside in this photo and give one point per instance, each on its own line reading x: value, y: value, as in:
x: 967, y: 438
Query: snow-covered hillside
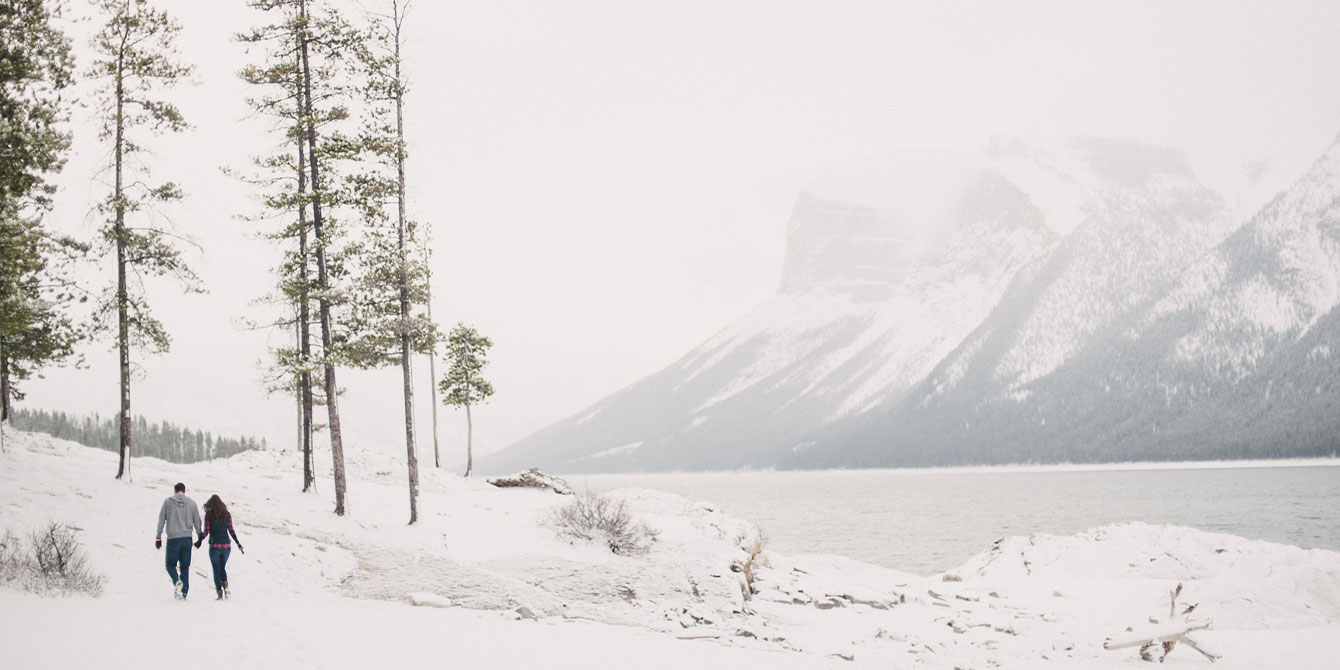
x: 498, y: 588
x: 1225, y: 353
x: 924, y: 327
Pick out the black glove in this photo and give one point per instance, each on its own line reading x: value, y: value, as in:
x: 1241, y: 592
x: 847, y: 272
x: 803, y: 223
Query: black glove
x: 239, y: 548
x: 158, y: 543
x: 197, y: 542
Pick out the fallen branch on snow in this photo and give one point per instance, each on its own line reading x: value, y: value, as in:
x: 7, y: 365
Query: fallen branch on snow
x: 1157, y: 641
x: 534, y: 479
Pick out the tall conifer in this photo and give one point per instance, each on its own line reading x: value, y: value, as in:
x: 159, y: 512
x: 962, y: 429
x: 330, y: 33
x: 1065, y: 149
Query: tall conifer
x: 387, y: 324
x: 35, y: 69
x: 463, y: 385
x: 309, y: 71
x: 136, y: 61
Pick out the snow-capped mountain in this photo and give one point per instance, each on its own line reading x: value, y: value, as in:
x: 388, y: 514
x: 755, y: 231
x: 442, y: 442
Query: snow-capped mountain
x: 1086, y: 301
x: 1226, y: 353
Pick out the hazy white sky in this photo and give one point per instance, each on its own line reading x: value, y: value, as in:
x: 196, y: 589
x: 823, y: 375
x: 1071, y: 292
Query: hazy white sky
x: 609, y: 181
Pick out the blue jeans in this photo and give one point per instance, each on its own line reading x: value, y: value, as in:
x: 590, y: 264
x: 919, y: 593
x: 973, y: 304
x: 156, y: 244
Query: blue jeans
x: 179, y: 553
x: 219, y: 559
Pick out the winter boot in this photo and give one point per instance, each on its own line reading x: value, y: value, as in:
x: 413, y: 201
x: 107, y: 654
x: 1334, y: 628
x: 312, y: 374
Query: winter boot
x: 176, y: 591
x: 220, y: 594
x: 226, y: 595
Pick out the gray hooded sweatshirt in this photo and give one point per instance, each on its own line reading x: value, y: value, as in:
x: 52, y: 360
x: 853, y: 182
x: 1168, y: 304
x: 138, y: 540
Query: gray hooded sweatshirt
x: 180, y: 514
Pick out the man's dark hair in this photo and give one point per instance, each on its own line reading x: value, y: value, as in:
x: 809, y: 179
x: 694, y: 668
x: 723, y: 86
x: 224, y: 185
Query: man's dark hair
x: 179, y: 488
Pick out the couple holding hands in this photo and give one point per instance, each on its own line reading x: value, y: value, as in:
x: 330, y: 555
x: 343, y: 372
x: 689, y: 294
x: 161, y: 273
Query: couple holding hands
x: 179, y: 515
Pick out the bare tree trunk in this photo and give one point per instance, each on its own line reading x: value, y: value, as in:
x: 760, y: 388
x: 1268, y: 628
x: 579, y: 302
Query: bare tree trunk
x: 323, y: 278
x: 4, y: 393
x: 122, y: 294
x: 6, y: 409
x: 304, y: 324
x: 432, y: 353
x: 297, y: 392
x: 432, y: 377
x: 305, y: 382
x: 303, y: 386
x: 469, y: 441
x: 405, y: 360
x: 308, y: 461
x: 412, y: 457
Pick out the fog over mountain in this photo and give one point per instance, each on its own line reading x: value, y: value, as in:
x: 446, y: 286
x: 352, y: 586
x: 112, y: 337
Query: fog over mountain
x: 1087, y: 299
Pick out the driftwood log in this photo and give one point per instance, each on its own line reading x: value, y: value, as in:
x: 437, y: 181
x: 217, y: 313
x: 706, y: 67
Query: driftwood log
x: 534, y: 479
x: 1157, y: 640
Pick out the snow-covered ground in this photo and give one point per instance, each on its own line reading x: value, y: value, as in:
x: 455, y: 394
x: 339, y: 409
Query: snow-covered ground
x: 315, y: 590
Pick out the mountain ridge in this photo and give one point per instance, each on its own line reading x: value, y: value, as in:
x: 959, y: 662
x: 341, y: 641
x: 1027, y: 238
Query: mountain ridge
x: 971, y: 339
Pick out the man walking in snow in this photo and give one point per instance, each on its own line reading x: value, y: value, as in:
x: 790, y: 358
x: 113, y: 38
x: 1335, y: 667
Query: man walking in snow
x: 179, y: 514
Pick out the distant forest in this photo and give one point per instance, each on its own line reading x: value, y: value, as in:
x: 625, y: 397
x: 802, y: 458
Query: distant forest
x: 172, y: 443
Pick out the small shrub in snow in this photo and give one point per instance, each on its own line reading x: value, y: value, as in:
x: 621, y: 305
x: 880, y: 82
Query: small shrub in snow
x: 11, y: 561
x: 53, y: 563
x: 600, y: 519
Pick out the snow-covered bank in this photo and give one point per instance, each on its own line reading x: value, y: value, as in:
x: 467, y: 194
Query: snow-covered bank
x: 1333, y: 462
x: 315, y: 590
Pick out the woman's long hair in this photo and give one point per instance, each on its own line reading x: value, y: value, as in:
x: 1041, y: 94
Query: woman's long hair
x: 215, y: 509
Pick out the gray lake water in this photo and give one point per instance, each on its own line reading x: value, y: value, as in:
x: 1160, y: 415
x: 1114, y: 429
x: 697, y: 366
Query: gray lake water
x: 927, y: 522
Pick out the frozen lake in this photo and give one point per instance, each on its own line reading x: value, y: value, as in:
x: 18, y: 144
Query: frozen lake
x: 929, y: 521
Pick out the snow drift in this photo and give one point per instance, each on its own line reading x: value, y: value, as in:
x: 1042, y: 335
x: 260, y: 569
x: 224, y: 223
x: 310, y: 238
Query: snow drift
x: 482, y: 580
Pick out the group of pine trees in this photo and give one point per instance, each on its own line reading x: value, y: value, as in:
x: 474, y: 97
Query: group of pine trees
x: 353, y: 285
x: 35, y: 69
x: 170, y: 442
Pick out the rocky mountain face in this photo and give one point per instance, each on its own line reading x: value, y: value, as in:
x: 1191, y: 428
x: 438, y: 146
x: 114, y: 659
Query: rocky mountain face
x: 1090, y: 302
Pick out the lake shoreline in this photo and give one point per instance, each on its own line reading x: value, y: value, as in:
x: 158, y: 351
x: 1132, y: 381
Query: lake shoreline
x: 926, y: 521
x: 1010, y: 467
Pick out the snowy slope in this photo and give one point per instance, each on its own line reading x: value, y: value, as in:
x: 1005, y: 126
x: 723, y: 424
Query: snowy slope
x: 1268, y: 286
x: 970, y: 279
x: 1229, y: 356
x: 314, y: 590
x: 1152, y: 220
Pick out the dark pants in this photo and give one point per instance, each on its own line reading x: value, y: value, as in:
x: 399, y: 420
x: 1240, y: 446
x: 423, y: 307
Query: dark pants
x: 219, y: 559
x: 179, y: 553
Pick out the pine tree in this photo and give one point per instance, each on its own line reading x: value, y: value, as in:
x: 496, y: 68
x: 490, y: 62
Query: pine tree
x: 463, y: 384
x: 136, y: 49
x: 36, y: 328
x: 283, y: 182
x: 162, y: 440
x: 307, y: 60
x: 35, y: 67
x: 386, y: 323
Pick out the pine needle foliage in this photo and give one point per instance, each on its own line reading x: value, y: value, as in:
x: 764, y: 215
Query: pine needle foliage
x: 463, y: 385
x: 36, y: 68
x: 135, y: 64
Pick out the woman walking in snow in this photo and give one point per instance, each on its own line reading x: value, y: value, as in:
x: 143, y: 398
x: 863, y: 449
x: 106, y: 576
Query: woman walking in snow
x: 218, y: 526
